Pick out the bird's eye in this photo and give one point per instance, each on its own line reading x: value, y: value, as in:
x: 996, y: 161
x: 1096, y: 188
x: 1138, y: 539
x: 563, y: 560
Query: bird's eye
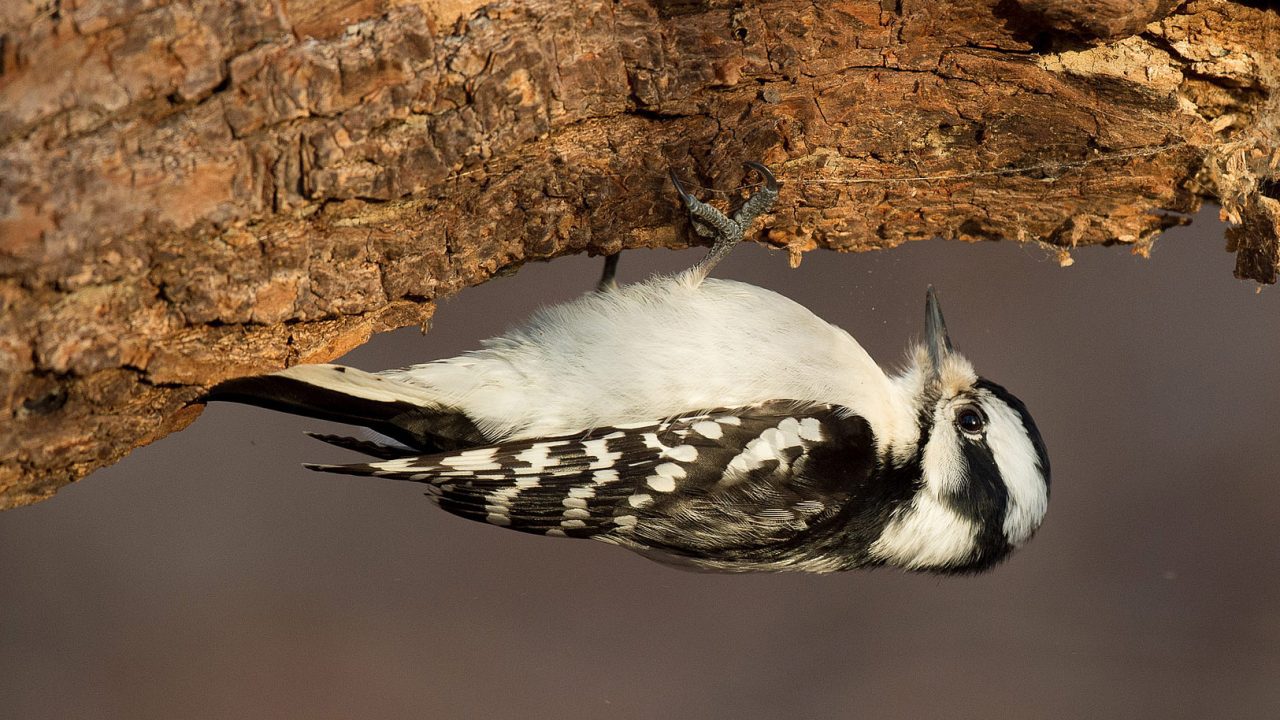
x: 971, y: 420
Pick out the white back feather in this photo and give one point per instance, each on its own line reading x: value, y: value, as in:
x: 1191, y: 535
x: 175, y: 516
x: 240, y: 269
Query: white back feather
x: 657, y: 349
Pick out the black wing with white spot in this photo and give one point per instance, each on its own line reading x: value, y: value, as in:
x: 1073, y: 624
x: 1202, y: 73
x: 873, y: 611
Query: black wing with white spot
x: 732, y: 489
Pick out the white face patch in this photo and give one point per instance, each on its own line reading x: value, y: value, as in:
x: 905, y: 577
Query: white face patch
x: 1018, y: 461
x: 943, y: 462
x: 926, y: 534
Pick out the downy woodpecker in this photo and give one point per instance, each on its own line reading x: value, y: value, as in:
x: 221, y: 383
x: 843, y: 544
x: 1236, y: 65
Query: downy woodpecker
x: 701, y: 422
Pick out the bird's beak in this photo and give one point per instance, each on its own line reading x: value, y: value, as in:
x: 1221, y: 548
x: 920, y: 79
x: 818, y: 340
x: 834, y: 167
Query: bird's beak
x: 935, y: 332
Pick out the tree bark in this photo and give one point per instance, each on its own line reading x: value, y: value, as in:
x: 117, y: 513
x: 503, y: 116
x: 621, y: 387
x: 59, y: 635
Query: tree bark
x: 191, y: 191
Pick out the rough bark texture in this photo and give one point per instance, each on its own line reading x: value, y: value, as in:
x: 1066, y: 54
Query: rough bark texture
x: 1091, y: 20
x: 191, y: 191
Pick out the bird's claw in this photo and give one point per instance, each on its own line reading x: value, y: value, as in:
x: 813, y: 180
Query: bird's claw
x: 726, y: 231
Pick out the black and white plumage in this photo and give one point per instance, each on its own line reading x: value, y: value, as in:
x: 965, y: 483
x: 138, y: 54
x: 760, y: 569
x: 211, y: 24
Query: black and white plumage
x: 702, y: 422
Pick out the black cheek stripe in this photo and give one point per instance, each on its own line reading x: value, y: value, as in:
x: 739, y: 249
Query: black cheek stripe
x: 1033, y: 432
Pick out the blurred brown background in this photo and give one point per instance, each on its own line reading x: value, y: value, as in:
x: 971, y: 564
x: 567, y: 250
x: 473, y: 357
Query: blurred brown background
x: 209, y: 576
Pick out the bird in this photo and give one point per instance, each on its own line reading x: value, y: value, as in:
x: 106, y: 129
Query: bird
x: 705, y: 423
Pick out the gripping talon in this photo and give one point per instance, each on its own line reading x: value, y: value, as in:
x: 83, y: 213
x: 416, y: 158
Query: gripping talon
x: 707, y: 221
x: 685, y: 197
x: 761, y: 201
x: 770, y: 182
x: 725, y: 231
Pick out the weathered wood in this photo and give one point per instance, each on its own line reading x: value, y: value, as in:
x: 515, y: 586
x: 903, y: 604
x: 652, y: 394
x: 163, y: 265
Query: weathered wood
x: 193, y: 191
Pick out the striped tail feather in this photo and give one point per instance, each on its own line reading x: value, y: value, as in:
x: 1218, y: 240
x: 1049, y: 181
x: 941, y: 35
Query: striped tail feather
x: 365, y: 447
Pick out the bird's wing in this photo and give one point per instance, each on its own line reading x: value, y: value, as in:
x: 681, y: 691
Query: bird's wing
x: 717, y: 483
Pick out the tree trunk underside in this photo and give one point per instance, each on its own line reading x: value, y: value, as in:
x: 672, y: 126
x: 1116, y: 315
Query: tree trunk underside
x: 193, y: 191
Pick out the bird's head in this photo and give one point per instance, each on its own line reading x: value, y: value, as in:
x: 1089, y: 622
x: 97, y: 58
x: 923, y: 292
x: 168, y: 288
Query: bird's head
x: 983, y: 472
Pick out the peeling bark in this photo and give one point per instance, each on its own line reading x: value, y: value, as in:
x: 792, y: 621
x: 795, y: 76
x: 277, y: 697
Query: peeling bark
x: 1089, y: 20
x: 194, y: 191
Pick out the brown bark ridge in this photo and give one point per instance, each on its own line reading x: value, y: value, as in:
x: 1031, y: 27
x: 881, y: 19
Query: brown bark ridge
x: 191, y: 191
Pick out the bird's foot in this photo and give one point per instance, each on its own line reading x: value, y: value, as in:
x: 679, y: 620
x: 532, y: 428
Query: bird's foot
x: 725, y: 231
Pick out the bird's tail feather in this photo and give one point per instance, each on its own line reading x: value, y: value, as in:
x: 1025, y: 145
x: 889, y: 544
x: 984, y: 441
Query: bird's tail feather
x: 340, y: 394
x: 367, y: 447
